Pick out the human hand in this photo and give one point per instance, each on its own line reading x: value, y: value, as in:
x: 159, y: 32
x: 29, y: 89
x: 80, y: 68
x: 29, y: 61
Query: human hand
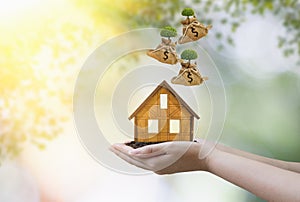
x: 163, y: 158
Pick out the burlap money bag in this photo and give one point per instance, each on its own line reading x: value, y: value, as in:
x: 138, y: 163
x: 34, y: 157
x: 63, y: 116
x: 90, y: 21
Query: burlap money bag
x: 164, y: 55
x: 188, y: 77
x: 193, y: 32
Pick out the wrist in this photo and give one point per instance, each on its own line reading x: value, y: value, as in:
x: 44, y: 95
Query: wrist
x: 202, y: 154
x: 211, y: 156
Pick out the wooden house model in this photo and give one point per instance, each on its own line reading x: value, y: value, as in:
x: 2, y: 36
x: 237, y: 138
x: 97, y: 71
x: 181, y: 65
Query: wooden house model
x: 163, y: 116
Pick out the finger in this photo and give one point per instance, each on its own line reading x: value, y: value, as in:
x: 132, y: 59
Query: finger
x: 129, y: 159
x: 144, y: 152
x: 125, y: 150
x: 150, y: 150
x: 122, y: 147
x: 152, y: 164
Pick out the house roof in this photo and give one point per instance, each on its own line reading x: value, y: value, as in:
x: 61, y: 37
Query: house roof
x: 167, y: 86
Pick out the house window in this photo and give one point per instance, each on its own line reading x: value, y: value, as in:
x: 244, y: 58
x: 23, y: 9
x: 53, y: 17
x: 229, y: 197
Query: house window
x: 164, y: 101
x: 152, y: 126
x: 174, y: 126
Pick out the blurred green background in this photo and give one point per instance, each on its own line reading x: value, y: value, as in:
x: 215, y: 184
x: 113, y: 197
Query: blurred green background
x: 255, y: 44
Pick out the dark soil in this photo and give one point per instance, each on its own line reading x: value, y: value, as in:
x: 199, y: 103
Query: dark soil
x: 135, y: 145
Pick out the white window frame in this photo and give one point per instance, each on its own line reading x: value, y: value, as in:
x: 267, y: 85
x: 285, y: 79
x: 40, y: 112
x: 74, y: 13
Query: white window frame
x: 152, y: 126
x: 174, y: 126
x: 163, y: 101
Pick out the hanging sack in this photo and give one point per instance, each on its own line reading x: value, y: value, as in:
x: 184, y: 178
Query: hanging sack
x: 189, y: 77
x: 193, y: 32
x: 165, y: 52
x: 164, y: 55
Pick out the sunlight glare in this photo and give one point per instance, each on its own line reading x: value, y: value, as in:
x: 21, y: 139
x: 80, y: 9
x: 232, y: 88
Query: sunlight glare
x: 13, y: 7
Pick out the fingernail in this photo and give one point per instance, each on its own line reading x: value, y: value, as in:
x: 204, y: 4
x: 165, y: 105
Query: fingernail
x: 117, y: 145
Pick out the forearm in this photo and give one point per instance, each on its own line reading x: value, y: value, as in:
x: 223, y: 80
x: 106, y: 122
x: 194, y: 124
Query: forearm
x: 292, y: 166
x: 266, y: 181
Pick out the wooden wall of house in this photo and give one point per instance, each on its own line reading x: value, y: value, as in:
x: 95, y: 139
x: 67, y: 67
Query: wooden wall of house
x: 152, y: 110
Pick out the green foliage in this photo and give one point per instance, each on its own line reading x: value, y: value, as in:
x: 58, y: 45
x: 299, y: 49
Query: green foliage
x: 168, y: 31
x: 187, y: 12
x: 218, y: 35
x: 36, y: 75
x: 152, y: 13
x: 286, y: 10
x: 189, y: 54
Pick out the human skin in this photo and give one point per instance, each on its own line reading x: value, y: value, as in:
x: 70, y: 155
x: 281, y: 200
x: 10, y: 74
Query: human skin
x: 270, y: 179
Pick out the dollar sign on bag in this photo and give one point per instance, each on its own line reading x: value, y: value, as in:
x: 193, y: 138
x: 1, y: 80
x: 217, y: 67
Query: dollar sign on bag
x: 194, y: 31
x: 190, y: 78
x: 165, y: 53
